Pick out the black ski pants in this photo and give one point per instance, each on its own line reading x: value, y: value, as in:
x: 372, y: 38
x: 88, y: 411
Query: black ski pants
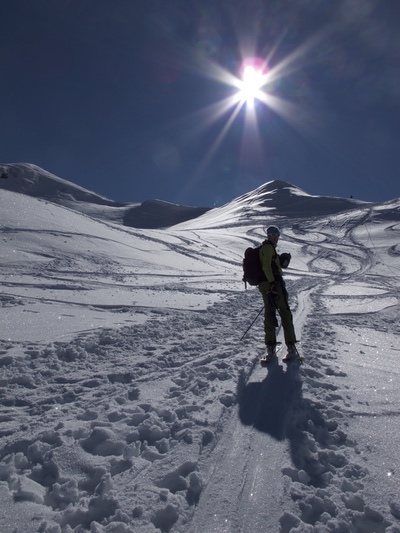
x: 277, y: 302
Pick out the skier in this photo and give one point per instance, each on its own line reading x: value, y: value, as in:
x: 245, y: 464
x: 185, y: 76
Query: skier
x: 275, y: 297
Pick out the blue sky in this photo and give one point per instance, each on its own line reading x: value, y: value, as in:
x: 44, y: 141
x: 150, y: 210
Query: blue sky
x: 124, y: 97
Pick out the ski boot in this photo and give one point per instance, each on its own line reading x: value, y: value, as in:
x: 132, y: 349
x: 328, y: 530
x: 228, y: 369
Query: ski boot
x: 270, y: 354
x: 292, y: 354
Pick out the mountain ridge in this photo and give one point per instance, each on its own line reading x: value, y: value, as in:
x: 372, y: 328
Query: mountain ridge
x: 31, y: 180
x: 276, y: 197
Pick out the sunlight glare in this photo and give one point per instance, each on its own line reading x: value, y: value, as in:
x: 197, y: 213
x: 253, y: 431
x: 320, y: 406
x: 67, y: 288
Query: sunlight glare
x: 254, y: 77
x: 256, y: 81
x: 252, y: 83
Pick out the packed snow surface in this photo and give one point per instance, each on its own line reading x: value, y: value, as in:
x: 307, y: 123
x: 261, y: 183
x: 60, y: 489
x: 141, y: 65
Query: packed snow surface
x: 130, y: 404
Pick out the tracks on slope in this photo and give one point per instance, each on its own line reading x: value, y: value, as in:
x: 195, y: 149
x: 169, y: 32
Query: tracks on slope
x: 245, y: 484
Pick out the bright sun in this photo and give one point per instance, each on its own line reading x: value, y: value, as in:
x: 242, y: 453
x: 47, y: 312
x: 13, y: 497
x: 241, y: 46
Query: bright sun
x: 250, y: 87
x: 255, y: 81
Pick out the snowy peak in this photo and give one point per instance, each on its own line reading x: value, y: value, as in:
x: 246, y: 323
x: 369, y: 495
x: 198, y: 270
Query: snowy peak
x: 287, y: 199
x: 269, y: 190
x: 274, y: 199
x: 34, y: 181
x: 31, y: 180
x: 275, y: 185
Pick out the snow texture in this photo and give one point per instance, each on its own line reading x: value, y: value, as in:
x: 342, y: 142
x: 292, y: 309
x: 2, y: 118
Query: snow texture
x: 129, y: 404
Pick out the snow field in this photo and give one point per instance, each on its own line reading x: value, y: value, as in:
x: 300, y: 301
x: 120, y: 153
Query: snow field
x: 96, y: 427
x: 129, y: 404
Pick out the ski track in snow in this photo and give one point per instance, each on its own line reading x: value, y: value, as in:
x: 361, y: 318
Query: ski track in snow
x: 170, y: 424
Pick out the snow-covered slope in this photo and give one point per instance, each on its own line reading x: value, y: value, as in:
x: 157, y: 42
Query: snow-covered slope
x: 157, y: 214
x: 276, y: 199
x: 130, y: 405
x: 33, y: 181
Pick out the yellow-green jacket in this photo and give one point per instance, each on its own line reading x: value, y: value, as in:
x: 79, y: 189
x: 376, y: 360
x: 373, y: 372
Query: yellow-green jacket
x: 270, y: 261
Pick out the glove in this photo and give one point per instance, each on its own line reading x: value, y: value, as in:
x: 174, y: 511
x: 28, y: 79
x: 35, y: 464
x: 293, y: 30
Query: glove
x: 274, y: 288
x: 284, y: 260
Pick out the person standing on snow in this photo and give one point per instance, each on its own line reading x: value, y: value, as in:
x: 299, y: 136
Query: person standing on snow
x: 275, y: 297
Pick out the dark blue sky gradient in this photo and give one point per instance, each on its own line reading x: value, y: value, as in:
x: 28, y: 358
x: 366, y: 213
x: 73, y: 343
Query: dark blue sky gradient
x: 106, y: 94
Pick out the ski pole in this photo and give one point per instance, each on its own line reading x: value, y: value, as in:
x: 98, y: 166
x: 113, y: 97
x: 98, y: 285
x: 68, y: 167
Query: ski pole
x: 247, y: 330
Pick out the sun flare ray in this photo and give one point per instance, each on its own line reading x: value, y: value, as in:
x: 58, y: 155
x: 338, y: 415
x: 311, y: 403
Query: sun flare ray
x: 215, y: 145
x: 255, y: 85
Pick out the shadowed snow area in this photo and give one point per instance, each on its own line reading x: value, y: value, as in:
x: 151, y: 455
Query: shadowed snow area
x: 129, y: 403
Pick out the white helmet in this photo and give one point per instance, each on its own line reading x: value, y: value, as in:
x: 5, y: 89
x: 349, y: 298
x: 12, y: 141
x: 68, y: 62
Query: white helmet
x: 273, y: 230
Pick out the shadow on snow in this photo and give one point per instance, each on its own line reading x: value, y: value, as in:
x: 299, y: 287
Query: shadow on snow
x: 266, y: 405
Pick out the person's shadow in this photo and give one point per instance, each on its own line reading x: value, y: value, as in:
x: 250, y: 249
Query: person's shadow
x: 266, y: 404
